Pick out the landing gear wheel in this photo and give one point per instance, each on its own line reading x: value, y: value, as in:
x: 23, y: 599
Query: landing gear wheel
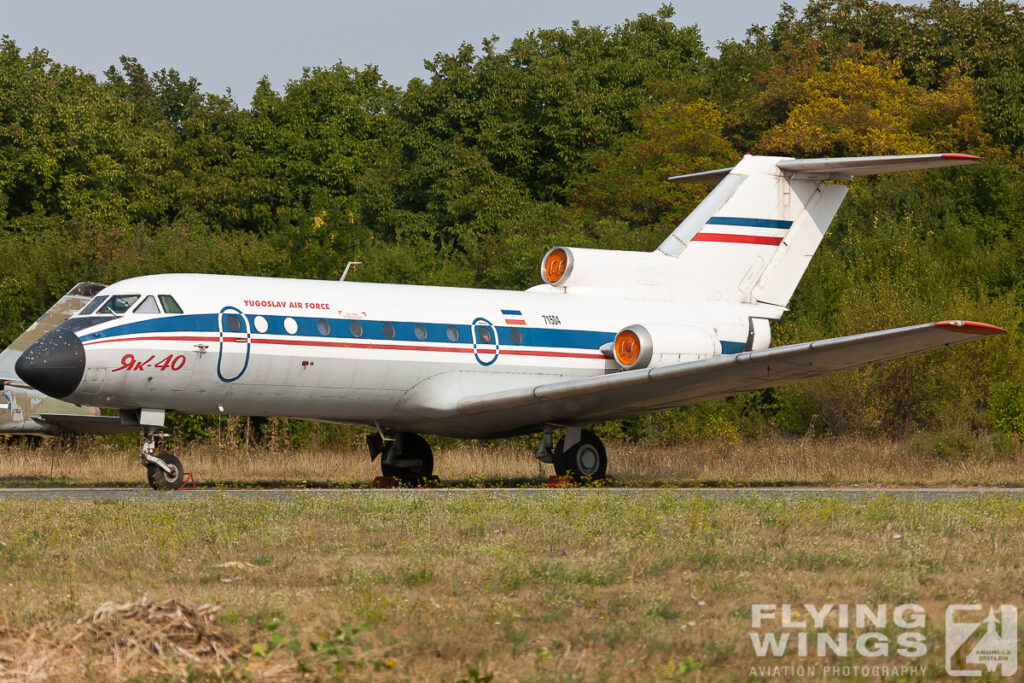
x: 413, y: 465
x: 585, y: 460
x: 161, y: 480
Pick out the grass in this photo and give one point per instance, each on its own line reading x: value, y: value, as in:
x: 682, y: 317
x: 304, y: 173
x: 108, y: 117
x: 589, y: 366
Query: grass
x: 938, y: 460
x: 569, y: 585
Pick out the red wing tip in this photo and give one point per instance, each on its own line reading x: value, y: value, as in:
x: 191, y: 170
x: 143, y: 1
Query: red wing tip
x: 962, y: 157
x: 968, y: 327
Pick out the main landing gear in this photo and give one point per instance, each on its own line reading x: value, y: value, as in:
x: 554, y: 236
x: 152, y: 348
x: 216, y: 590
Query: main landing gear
x: 163, y: 470
x: 406, y: 457
x: 579, y: 455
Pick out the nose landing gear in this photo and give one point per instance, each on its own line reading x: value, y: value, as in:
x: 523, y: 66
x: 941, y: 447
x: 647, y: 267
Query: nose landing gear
x: 163, y: 470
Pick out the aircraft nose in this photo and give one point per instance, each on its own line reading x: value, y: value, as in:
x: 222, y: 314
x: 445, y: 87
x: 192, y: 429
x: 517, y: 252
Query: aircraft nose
x: 55, y: 364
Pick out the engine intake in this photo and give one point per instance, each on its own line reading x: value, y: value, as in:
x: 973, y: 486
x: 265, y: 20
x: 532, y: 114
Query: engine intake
x: 556, y: 266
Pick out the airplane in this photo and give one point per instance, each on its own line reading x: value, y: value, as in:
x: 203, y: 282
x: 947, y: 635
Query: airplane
x: 609, y: 334
x: 26, y: 411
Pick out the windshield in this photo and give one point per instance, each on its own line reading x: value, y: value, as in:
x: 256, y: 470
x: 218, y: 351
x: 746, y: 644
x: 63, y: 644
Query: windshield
x: 119, y: 304
x: 92, y: 305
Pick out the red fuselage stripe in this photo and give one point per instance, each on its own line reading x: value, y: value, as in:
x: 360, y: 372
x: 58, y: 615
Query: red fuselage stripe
x: 351, y: 345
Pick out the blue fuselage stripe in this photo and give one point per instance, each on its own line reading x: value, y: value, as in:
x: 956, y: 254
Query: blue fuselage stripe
x: 730, y: 347
x: 370, y: 330
x: 373, y: 330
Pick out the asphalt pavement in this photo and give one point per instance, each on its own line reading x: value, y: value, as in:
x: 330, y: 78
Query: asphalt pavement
x: 852, y: 493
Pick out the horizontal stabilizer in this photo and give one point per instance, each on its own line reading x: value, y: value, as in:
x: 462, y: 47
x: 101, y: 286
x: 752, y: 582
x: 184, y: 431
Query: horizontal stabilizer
x: 845, y: 167
x: 637, y: 392
x: 705, y: 177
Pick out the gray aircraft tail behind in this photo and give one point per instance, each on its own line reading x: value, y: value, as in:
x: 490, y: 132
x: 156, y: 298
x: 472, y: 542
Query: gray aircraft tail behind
x: 23, y: 410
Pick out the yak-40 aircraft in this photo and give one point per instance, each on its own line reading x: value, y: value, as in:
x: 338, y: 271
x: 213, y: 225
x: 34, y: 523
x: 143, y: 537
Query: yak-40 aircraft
x: 609, y: 334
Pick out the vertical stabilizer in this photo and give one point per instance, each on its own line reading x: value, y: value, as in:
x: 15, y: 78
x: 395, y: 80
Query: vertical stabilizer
x: 753, y: 236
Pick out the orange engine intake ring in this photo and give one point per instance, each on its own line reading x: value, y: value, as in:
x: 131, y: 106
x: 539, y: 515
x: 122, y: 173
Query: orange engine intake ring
x: 627, y: 348
x: 555, y: 265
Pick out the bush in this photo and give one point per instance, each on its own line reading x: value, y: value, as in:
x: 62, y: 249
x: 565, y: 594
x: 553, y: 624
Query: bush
x: 1006, y: 408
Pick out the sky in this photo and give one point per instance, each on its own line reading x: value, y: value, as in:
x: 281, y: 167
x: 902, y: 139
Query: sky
x: 233, y: 43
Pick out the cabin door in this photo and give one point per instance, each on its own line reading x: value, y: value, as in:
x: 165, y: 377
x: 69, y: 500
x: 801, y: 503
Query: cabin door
x: 235, y: 344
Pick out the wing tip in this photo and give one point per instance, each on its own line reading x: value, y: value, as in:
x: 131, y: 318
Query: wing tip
x: 969, y: 327
x: 962, y: 157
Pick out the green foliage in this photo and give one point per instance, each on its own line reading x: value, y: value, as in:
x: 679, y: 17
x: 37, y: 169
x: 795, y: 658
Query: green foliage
x: 188, y: 428
x: 564, y: 137
x: 1006, y: 408
x: 948, y: 444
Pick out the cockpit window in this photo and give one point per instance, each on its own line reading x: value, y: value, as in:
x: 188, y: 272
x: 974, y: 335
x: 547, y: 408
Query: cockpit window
x: 148, y: 305
x: 92, y: 305
x: 170, y: 305
x: 119, y: 304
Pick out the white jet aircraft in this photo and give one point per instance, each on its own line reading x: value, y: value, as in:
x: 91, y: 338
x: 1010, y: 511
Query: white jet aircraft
x: 609, y: 334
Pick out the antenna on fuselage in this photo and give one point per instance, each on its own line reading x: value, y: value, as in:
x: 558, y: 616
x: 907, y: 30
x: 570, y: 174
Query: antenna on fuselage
x: 348, y: 265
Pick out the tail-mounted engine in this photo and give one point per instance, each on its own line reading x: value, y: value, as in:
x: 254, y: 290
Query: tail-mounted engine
x: 655, y: 345
x: 630, y: 274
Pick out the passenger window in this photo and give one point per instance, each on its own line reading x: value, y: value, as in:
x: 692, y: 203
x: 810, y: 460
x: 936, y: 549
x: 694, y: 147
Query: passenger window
x: 355, y: 328
x: 420, y: 331
x: 148, y: 306
x: 169, y: 304
x: 119, y: 304
x: 517, y: 337
x: 389, y: 330
x: 453, y: 333
x: 323, y: 327
x: 92, y: 305
x: 233, y: 322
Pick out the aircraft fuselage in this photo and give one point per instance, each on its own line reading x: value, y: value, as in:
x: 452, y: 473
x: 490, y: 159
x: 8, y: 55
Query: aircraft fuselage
x: 395, y: 355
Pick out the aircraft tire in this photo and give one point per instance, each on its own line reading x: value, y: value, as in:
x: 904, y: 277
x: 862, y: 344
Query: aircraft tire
x: 163, y: 481
x: 585, y: 460
x: 415, y: 447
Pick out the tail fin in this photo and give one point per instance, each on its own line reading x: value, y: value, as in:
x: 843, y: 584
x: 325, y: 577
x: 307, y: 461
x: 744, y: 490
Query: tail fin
x: 752, y: 237
x: 67, y: 306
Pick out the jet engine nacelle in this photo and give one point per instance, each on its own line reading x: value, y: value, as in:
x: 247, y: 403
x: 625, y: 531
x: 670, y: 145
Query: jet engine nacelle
x: 607, y: 270
x: 654, y: 345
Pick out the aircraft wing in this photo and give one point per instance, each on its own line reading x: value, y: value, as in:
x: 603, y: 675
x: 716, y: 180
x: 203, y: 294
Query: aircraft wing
x: 636, y: 392
x: 86, y: 424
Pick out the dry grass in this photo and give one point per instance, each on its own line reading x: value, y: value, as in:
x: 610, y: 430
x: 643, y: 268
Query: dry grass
x: 569, y: 585
x: 926, y: 460
x: 118, y: 641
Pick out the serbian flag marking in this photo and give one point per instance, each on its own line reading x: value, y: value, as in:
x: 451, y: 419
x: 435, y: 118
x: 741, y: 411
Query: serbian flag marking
x: 743, y: 230
x: 513, y: 317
